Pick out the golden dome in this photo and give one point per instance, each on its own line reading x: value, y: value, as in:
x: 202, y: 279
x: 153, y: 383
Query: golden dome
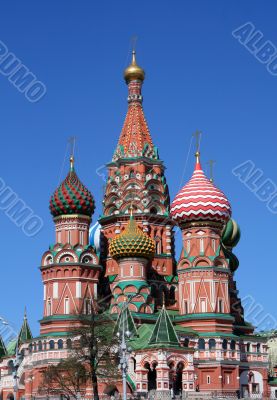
x: 132, y: 243
x: 133, y: 72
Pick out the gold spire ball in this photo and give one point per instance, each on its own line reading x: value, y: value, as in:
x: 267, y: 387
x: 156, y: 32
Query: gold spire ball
x: 134, y: 72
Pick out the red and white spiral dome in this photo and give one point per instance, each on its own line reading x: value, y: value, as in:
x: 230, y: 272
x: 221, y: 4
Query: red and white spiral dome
x: 200, y: 200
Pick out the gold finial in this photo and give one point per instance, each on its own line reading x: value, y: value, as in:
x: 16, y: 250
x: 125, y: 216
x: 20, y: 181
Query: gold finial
x: 72, y: 141
x: 197, y: 136
x: 211, y: 164
x: 71, y: 163
x: 134, y: 72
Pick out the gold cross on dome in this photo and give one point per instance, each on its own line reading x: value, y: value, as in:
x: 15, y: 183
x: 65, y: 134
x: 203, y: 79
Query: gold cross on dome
x: 211, y: 164
x: 197, y: 136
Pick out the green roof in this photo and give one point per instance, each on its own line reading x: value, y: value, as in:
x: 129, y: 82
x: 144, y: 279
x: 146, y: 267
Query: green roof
x: 25, y: 333
x: 164, y: 332
x: 125, y: 322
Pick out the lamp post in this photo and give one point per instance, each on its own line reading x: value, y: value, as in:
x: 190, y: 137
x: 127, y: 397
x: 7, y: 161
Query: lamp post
x: 124, y: 353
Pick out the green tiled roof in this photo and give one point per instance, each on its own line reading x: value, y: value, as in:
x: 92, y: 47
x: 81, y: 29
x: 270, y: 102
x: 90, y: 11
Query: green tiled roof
x: 125, y: 322
x: 164, y: 332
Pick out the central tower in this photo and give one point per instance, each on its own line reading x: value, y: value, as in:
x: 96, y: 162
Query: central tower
x: 136, y: 180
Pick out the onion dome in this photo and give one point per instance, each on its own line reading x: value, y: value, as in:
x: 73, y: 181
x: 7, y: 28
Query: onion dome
x: 95, y: 236
x: 71, y: 197
x: 134, y: 72
x: 231, y: 234
x: 200, y: 200
x: 132, y: 243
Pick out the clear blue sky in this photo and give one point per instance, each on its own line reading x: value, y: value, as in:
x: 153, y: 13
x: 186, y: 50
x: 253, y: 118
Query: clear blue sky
x: 198, y: 77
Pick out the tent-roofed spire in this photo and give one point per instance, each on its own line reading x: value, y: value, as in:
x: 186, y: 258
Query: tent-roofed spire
x: 164, y: 333
x: 125, y: 322
x: 135, y: 139
x: 25, y: 331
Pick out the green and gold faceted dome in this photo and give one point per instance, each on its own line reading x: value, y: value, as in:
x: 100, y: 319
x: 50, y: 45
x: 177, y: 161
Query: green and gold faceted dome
x: 231, y: 234
x: 132, y: 243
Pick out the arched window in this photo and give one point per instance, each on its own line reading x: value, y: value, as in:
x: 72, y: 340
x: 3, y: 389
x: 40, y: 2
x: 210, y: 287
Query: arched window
x: 233, y: 345
x: 131, y: 270
x: 201, y: 344
x: 185, y: 307
x: 211, y: 344
x: 34, y: 347
x: 45, y: 345
x: 208, y: 379
x: 69, y: 343
x: 60, y: 344
x: 248, y: 347
x: 40, y: 345
x: 51, y: 345
x: 258, y: 347
x: 224, y: 344
x: 186, y: 342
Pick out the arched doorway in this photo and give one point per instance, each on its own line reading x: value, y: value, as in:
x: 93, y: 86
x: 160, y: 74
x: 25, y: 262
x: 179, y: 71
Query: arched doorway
x: 179, y: 378
x: 151, y: 375
x: 10, y: 396
x: 111, y: 390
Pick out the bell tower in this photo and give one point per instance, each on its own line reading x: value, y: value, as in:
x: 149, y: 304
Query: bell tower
x: 136, y: 178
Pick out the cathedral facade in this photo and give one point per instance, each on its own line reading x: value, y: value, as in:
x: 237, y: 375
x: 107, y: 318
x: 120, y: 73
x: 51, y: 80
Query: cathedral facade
x: 189, y: 333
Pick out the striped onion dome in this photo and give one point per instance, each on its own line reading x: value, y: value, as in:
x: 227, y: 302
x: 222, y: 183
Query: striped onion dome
x: 200, y: 200
x: 71, y: 197
x: 231, y: 234
x: 132, y: 243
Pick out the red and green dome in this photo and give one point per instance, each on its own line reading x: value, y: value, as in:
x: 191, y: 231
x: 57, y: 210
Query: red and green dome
x: 71, y: 197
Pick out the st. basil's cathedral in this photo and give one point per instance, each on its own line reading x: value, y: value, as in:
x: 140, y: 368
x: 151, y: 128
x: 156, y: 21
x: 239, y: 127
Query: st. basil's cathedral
x: 188, y: 329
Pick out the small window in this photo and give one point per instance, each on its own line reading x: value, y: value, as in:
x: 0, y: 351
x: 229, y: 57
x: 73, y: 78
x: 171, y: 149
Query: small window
x: 81, y: 237
x: 248, y: 347
x: 213, y: 244
x: 201, y: 246
x: 220, y: 306
x: 212, y: 344
x: 201, y: 344
x: 208, y: 379
x: 51, y: 345
x: 60, y: 344
x: 258, y: 347
x: 69, y: 237
x: 202, y: 305
x: 185, y: 307
x: 49, y: 307
x: 131, y: 270
x: 233, y: 345
x: 66, y: 305
x: 224, y: 344
x: 188, y: 246
x: 69, y: 343
x: 40, y: 345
